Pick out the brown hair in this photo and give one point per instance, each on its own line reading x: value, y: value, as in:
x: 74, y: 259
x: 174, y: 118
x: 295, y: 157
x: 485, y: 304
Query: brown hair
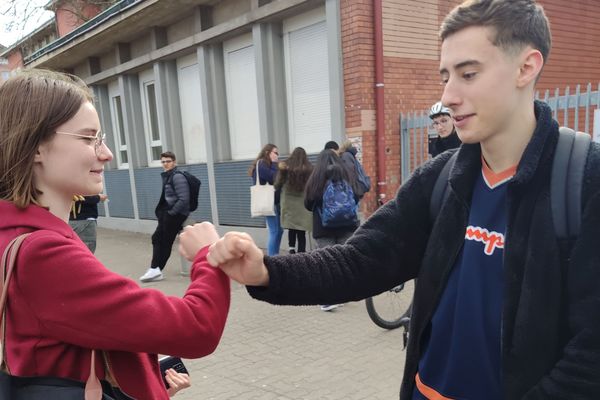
x: 33, y: 104
x: 263, y: 156
x: 295, y: 171
x: 168, y: 154
x: 517, y: 23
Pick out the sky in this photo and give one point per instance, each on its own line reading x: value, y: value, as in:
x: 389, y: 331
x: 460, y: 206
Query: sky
x: 7, y: 38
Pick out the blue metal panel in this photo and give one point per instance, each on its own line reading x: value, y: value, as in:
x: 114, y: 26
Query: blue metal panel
x: 148, y: 185
x: 118, y: 189
x: 233, y: 194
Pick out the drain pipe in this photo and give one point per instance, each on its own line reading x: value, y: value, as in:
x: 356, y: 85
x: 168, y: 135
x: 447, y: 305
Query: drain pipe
x: 379, y: 105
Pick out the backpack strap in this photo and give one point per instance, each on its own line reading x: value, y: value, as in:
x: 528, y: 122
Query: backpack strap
x: 567, y: 179
x: 440, y: 188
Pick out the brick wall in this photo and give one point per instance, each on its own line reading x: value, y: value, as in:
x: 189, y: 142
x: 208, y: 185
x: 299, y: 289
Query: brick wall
x: 411, y: 59
x: 71, y: 14
x: 15, y: 59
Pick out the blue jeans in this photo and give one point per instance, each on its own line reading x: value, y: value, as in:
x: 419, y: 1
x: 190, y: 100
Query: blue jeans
x: 275, y: 232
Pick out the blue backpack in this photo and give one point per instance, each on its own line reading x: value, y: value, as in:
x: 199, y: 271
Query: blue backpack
x: 339, y: 208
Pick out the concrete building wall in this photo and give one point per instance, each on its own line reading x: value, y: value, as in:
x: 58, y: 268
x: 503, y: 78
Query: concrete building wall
x: 226, y: 10
x: 181, y: 29
x: 108, y: 60
x: 141, y: 45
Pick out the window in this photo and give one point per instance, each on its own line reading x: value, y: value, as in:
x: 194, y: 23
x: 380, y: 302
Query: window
x: 155, y: 143
x: 307, y: 80
x: 192, y: 117
x: 119, y: 128
x: 242, y: 97
x: 150, y: 111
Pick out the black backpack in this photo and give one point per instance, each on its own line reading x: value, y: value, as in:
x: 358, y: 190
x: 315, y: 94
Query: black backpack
x: 194, y: 184
x: 565, y: 186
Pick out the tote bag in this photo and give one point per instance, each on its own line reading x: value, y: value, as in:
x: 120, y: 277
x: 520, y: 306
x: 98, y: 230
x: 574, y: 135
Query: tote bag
x: 262, y: 198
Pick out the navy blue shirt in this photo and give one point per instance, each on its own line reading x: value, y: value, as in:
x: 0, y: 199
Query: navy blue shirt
x: 462, y: 354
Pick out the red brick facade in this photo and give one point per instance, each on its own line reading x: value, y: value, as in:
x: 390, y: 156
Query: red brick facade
x: 412, y: 82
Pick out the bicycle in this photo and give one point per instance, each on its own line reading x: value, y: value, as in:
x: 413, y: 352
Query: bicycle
x: 391, y: 309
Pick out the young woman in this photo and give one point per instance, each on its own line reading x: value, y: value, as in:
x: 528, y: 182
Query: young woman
x: 63, y: 305
x: 291, y: 180
x: 267, y: 161
x: 328, y: 168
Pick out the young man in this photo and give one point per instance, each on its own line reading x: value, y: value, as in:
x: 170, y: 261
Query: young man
x: 501, y: 311
x: 446, y: 138
x: 172, y: 210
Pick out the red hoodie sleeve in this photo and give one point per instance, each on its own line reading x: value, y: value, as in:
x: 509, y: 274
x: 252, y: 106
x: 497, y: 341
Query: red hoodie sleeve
x: 77, y: 300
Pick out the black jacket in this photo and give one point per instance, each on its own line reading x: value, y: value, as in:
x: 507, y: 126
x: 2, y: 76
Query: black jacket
x: 87, y: 208
x: 175, y: 195
x: 439, y: 144
x: 550, y: 325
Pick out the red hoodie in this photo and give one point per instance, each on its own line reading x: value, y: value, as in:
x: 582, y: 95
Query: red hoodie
x: 62, y: 302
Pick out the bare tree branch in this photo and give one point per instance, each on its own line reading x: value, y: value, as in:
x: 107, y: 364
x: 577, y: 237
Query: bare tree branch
x: 19, y: 14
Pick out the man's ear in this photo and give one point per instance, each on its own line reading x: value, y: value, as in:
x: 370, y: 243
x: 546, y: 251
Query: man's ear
x: 532, y: 62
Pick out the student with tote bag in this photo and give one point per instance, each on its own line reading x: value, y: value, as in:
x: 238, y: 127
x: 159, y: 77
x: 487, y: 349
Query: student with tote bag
x: 264, y: 200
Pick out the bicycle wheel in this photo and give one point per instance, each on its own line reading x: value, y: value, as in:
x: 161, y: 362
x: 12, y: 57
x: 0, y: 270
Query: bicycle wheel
x: 391, y: 309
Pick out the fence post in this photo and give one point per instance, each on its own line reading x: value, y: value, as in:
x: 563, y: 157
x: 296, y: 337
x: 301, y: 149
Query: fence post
x: 405, y: 147
x: 566, y: 112
x: 577, y: 102
x: 556, y: 95
x: 588, y: 102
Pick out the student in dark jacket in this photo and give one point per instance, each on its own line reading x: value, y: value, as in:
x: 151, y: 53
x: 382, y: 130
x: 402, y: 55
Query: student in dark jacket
x: 171, y: 211
x: 347, y: 154
x: 327, y: 167
x: 500, y: 312
x: 446, y: 138
x: 84, y: 218
x: 267, y: 162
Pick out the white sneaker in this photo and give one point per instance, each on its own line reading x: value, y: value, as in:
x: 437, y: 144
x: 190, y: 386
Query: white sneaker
x: 153, y: 274
x: 329, y: 307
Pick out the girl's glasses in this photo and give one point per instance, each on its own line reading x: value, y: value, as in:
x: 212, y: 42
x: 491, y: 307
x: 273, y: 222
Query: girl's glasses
x: 98, y: 139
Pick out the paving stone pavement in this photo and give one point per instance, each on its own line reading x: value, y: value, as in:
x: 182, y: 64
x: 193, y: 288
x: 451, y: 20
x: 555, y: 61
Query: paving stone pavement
x: 275, y: 352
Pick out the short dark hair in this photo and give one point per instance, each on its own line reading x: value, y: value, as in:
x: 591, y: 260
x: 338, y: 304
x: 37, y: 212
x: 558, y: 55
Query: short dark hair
x: 517, y: 23
x: 168, y: 154
x: 331, y: 145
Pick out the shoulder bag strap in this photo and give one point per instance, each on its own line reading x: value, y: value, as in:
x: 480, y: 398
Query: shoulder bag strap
x: 440, y: 188
x: 567, y: 179
x: 7, y: 265
x: 93, y: 388
x: 257, y: 176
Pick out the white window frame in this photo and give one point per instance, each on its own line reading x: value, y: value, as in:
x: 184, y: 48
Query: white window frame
x: 114, y: 93
x: 146, y: 79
